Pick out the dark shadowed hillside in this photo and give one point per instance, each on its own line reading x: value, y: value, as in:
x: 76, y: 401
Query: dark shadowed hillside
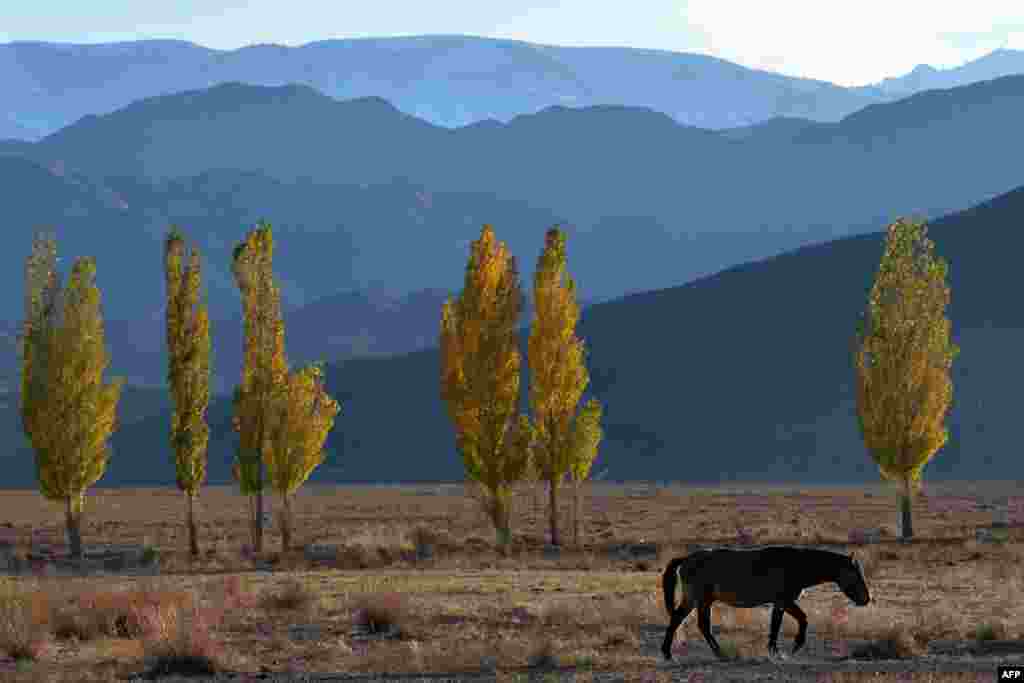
x: 745, y: 375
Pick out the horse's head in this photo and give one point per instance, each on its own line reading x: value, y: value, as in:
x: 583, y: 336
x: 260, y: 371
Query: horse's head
x: 851, y: 581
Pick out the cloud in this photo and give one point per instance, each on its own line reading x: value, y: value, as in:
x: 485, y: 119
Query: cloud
x: 853, y: 43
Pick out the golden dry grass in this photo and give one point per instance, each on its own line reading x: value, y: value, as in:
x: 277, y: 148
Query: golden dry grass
x: 471, y: 609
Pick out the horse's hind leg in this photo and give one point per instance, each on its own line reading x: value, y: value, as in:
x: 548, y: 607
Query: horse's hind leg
x: 773, y: 637
x: 801, y: 620
x: 678, y: 617
x: 704, y: 622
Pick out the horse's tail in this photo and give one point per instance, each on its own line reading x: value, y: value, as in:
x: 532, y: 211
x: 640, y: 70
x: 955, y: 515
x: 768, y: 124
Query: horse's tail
x: 668, y: 583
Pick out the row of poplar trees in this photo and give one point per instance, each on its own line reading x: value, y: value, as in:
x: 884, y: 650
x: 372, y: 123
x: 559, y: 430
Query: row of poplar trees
x: 903, y: 357
x: 68, y: 413
x: 480, y: 374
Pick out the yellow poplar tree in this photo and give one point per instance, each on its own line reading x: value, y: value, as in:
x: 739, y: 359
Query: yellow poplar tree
x: 265, y: 368
x: 902, y: 357
x: 558, y: 375
x: 67, y: 412
x: 302, y: 417
x: 480, y: 363
x: 583, y: 451
x: 188, y: 374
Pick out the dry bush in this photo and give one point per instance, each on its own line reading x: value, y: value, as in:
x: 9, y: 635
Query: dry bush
x: 619, y: 636
x: 896, y: 642
x: 179, y: 641
x: 993, y: 630
x: 116, y: 614
x: 544, y: 654
x: 23, y: 624
x: 236, y: 593
x: 933, y: 624
x: 293, y: 595
x: 380, y: 613
x: 422, y: 536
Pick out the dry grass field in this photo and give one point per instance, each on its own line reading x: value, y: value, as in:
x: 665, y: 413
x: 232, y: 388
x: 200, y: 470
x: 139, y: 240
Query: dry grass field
x: 471, y: 612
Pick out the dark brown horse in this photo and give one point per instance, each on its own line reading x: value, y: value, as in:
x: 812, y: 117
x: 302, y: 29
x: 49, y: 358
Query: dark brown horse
x: 749, y: 578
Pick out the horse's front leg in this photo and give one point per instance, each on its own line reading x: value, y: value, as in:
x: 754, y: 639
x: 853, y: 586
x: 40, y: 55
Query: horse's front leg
x: 704, y: 622
x: 773, y: 637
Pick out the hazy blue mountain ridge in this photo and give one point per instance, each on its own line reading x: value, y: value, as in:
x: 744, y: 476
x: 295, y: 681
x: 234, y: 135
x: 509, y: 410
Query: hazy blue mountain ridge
x: 622, y: 180
x: 646, y: 202
x: 448, y: 80
x: 745, y: 375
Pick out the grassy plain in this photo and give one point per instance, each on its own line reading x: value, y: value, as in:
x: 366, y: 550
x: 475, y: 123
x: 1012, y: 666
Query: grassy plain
x: 470, y: 610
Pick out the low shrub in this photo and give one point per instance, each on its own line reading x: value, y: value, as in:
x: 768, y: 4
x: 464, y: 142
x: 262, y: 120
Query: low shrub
x: 23, y: 624
x: 293, y: 595
x: 380, y: 613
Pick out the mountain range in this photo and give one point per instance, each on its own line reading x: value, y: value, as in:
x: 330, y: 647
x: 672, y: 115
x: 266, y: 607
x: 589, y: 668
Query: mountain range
x: 446, y: 80
x: 745, y: 375
x: 361, y: 193
x: 373, y: 210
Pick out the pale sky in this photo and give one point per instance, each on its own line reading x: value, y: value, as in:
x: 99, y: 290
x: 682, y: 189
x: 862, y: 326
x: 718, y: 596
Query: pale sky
x: 845, y: 42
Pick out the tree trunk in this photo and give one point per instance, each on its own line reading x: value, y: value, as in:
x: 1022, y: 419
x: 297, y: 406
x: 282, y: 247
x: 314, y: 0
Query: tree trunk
x: 286, y: 523
x: 498, y: 509
x: 258, y: 540
x: 72, y: 519
x: 538, y: 494
x: 577, y: 508
x: 907, y: 529
x: 252, y: 521
x: 193, y: 540
x: 553, y: 501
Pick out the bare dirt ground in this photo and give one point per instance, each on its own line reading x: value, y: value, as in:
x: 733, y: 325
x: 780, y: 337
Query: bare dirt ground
x: 471, y: 613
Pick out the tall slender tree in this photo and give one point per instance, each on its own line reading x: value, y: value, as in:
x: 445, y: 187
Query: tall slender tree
x: 67, y: 412
x: 265, y: 367
x: 480, y: 363
x: 902, y: 358
x: 188, y: 373
x: 583, y: 451
x: 302, y: 416
x: 558, y: 374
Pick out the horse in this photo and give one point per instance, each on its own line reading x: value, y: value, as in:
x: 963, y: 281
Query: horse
x: 753, y: 577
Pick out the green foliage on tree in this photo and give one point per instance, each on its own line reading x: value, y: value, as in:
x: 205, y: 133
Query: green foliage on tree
x: 188, y: 373
x: 67, y: 412
x: 302, y: 416
x: 902, y: 357
x: 265, y: 368
x: 480, y: 376
x: 564, y: 442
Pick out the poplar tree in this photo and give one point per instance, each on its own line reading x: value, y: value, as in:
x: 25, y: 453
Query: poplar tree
x: 302, y: 416
x: 902, y: 357
x: 583, y: 451
x: 265, y: 367
x: 558, y: 376
x: 67, y: 412
x: 188, y: 373
x: 480, y: 363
